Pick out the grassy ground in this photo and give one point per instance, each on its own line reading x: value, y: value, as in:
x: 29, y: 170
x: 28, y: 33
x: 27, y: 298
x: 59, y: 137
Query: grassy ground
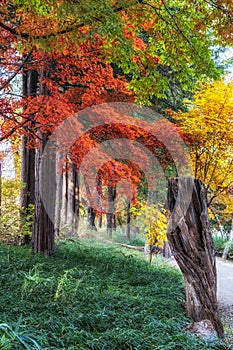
x: 91, y: 296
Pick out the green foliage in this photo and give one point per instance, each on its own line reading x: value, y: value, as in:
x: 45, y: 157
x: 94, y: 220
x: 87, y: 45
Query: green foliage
x: 9, y: 218
x: 27, y: 219
x: 91, y: 296
x: 219, y: 245
x: 11, y: 337
x: 140, y: 38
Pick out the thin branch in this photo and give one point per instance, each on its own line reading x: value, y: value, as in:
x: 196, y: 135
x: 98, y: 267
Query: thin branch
x: 16, y: 72
x: 12, y: 131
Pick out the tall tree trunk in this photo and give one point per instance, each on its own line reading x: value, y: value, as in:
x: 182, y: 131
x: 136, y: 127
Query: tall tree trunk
x: 63, y: 217
x: 100, y: 214
x: 127, y: 226
x: 192, y: 245
x: 91, y: 215
x: 229, y: 242
x: 73, y: 201
x: 27, y: 195
x: 59, y: 187
x: 43, y: 230
x: 109, y: 216
x: 100, y: 222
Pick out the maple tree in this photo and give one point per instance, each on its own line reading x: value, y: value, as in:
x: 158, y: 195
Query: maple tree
x: 173, y: 34
x: 74, y: 55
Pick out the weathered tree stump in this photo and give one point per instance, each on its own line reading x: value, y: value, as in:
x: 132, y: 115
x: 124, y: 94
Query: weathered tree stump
x: 192, y: 245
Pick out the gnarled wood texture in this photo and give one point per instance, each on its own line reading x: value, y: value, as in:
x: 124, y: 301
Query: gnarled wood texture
x: 191, y: 242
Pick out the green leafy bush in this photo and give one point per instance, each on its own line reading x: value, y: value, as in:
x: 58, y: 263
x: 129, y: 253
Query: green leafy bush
x: 219, y: 244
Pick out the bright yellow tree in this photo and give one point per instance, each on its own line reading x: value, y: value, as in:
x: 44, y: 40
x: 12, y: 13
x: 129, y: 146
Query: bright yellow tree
x: 208, y: 125
x: 153, y: 224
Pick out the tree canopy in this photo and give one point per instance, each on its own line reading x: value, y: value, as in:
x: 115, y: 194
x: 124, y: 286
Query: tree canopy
x: 139, y: 37
x: 208, y: 125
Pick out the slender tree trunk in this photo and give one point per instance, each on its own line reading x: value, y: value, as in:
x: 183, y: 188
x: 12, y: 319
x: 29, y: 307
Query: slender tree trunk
x: 166, y: 250
x: 109, y: 224
x: 100, y: 218
x: 63, y: 218
x: 43, y: 238
x: 191, y: 243
x: 229, y: 242
x: 114, y: 223
x: 73, y: 201
x: 43, y: 230
x: 221, y: 229
x: 109, y: 216
x: 128, y: 219
x: 27, y: 195
x: 91, y: 215
x: 58, y: 204
x: 100, y: 222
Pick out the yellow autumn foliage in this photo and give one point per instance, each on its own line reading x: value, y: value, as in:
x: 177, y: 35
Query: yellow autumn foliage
x: 209, y: 127
x: 153, y: 223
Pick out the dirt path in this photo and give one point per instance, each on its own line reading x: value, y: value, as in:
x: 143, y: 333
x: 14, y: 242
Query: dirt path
x: 225, y: 282
x: 225, y: 296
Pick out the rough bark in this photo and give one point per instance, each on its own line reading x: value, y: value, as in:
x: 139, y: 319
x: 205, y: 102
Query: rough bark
x: 191, y: 243
x: 27, y: 195
x: 43, y: 236
x: 43, y: 230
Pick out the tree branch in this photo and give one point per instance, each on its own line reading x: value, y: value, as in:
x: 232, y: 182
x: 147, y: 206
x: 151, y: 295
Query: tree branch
x: 16, y: 72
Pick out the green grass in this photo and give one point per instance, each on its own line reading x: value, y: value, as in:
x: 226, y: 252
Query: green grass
x: 91, y: 296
